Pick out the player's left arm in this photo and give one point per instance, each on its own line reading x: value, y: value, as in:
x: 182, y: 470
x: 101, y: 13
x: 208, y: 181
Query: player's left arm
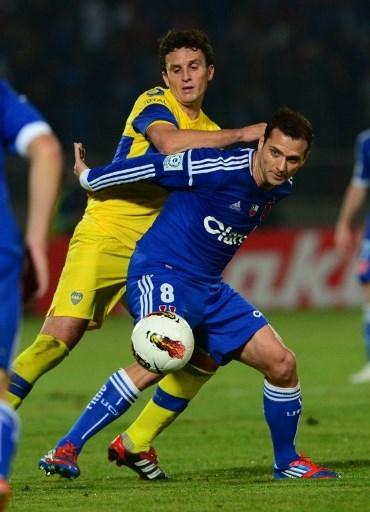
x: 46, y: 166
x: 178, y: 171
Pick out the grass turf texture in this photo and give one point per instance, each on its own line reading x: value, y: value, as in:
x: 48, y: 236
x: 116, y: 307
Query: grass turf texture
x: 218, y: 454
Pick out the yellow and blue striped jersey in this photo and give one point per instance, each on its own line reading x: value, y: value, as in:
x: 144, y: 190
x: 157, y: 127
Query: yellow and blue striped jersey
x: 158, y: 105
x: 136, y: 205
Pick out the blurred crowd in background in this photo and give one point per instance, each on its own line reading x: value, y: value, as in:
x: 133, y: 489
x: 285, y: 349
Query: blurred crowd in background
x: 83, y: 63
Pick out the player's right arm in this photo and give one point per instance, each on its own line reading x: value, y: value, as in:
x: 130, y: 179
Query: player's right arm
x: 353, y: 200
x: 169, y: 139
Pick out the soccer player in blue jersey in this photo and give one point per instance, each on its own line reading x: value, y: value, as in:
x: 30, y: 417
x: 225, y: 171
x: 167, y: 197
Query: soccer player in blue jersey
x: 217, y: 199
x: 25, y: 132
x: 353, y: 200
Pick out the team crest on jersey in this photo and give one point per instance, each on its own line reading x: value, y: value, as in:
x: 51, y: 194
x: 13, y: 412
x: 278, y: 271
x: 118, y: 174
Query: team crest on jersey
x: 76, y: 297
x: 253, y: 210
x: 173, y: 162
x: 156, y: 91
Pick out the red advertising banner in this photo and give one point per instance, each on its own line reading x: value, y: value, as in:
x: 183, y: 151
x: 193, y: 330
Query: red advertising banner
x: 288, y: 269
x: 276, y: 269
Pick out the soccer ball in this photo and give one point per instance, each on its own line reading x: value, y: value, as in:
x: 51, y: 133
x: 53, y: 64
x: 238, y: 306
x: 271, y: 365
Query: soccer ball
x: 162, y: 342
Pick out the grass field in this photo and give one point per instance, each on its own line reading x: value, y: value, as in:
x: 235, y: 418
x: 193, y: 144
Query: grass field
x: 218, y: 454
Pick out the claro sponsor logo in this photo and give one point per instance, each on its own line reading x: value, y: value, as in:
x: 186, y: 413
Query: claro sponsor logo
x: 224, y: 233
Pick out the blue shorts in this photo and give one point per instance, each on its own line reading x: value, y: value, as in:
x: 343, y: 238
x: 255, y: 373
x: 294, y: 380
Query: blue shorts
x: 10, y: 300
x: 222, y: 320
x: 363, y: 266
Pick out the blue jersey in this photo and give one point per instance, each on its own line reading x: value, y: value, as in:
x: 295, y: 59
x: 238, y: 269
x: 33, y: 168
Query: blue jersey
x: 214, y: 205
x: 20, y: 122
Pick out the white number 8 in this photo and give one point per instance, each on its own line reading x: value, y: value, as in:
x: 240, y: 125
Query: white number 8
x: 167, y: 294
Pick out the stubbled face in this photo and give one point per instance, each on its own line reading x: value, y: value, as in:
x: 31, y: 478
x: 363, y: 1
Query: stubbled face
x: 187, y: 75
x: 278, y: 159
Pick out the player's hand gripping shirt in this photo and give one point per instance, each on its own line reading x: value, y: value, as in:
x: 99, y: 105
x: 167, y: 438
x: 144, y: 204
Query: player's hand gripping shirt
x: 20, y: 123
x: 214, y: 205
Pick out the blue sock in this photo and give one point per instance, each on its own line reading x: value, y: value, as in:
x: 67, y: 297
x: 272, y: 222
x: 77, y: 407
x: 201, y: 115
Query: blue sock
x: 109, y: 403
x: 9, y: 432
x: 282, y: 412
x: 366, y: 328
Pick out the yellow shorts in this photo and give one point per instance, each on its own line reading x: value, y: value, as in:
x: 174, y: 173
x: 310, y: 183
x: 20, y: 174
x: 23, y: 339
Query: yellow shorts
x: 94, y: 276
x: 93, y: 279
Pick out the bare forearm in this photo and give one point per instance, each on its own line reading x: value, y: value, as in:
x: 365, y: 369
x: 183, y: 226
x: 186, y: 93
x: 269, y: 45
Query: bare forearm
x: 353, y: 200
x: 46, y: 166
x: 173, y: 140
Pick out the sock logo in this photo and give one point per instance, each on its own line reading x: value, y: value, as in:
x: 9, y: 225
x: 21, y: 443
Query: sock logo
x: 297, y: 412
x: 98, y: 398
x: 76, y: 297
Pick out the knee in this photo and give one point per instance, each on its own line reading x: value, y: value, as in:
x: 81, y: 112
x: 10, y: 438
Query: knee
x: 141, y: 377
x: 202, y: 363
x: 282, y: 370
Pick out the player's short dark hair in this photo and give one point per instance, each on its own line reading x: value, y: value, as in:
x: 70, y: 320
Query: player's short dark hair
x: 291, y: 123
x: 193, y: 38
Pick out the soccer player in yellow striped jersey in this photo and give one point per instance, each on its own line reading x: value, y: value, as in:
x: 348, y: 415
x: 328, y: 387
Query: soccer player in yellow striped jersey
x: 93, y: 279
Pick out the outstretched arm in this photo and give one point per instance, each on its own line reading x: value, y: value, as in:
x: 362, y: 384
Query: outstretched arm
x: 121, y: 171
x: 202, y: 167
x: 168, y: 139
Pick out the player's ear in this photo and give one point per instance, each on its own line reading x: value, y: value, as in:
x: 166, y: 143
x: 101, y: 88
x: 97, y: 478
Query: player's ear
x: 261, y: 142
x: 211, y: 72
x: 165, y: 78
x: 306, y: 155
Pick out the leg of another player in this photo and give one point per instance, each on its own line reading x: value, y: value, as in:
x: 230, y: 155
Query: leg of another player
x: 112, y: 400
x: 9, y: 319
x: 9, y: 432
x: 364, y: 374
x: 266, y: 352
x: 172, y: 396
x: 57, y: 337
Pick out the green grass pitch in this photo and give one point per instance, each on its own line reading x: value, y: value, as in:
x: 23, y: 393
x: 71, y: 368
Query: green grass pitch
x: 218, y: 454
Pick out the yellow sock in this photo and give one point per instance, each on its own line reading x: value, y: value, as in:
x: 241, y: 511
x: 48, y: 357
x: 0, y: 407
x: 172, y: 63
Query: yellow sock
x: 40, y: 357
x: 174, y: 392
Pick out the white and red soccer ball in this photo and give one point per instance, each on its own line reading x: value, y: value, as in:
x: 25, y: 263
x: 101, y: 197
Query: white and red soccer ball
x: 162, y: 342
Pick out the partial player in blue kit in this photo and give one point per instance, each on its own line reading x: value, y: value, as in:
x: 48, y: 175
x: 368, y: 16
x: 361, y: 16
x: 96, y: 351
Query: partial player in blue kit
x: 354, y: 199
x: 217, y: 199
x: 23, y: 131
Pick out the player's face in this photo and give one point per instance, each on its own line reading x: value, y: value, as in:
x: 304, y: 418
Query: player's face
x: 279, y: 158
x: 187, y: 75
